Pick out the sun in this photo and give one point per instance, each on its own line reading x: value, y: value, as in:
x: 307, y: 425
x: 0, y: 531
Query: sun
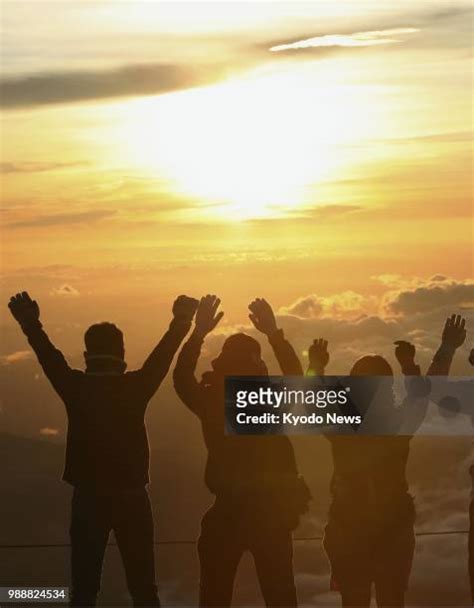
x: 251, y: 147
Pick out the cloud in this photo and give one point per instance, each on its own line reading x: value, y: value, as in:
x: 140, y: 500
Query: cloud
x: 65, y: 291
x: 358, y: 39
x: 35, y: 167
x: 438, y: 293
x: 322, y: 212
x: 319, y: 212
x: 356, y: 324
x: 347, y: 304
x: 16, y: 357
x: 61, y: 219
x: 306, y: 307
x: 67, y: 87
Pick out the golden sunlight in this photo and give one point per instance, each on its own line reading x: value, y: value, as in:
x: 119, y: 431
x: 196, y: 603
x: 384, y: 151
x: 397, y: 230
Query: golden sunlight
x: 252, y: 146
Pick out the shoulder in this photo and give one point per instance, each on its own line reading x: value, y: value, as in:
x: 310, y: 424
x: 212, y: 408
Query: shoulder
x: 77, y: 374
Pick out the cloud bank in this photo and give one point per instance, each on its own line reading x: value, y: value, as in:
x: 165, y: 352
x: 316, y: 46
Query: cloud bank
x: 67, y: 87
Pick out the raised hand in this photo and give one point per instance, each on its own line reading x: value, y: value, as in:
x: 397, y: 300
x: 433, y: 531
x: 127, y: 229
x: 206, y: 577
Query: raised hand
x: 471, y: 357
x: 405, y: 352
x: 262, y: 316
x: 207, y: 316
x: 184, y: 308
x: 454, y: 332
x: 25, y: 310
x: 318, y: 355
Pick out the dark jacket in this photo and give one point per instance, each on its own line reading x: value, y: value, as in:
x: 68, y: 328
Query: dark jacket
x: 107, y: 445
x: 238, y: 466
x: 369, y: 486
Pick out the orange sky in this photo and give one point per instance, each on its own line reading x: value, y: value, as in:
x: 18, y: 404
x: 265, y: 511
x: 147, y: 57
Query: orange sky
x: 152, y: 148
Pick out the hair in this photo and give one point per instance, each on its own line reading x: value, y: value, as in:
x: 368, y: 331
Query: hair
x: 371, y: 365
x: 104, y: 339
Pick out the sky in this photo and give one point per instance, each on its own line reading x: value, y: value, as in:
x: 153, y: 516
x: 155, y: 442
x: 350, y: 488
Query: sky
x: 317, y: 154
x: 286, y: 150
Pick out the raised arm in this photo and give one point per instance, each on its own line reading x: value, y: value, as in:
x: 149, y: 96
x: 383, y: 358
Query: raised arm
x: 188, y: 388
x: 27, y: 313
x: 460, y: 392
x: 405, y: 354
x: 453, y: 336
x: 158, y: 362
x: 413, y: 410
x: 263, y: 319
x: 318, y: 356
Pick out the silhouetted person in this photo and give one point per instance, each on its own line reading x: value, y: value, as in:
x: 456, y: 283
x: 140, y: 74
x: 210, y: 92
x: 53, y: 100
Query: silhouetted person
x: 369, y: 538
x: 471, y: 511
x: 258, y: 493
x: 107, y: 455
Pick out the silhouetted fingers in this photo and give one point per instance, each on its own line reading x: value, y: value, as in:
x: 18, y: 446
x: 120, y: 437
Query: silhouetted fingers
x: 207, y: 300
x: 218, y: 318
x: 215, y: 305
x: 255, y: 304
x: 15, y: 301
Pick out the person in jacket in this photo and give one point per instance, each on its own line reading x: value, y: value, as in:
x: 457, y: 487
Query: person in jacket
x: 259, y: 495
x: 369, y: 538
x: 107, y: 454
x: 471, y: 510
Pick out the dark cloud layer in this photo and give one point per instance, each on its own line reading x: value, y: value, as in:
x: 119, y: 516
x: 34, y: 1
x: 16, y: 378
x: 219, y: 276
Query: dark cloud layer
x: 66, y: 87
x: 433, y: 297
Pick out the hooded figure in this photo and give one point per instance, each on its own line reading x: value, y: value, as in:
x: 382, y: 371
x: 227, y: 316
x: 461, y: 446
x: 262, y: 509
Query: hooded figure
x: 258, y: 493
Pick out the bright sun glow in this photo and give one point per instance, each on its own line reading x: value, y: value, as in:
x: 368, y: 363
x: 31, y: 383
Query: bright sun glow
x: 252, y: 147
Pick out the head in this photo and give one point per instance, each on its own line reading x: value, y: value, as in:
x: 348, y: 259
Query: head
x: 240, y: 356
x: 371, y: 365
x: 104, y: 343
x: 378, y: 390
